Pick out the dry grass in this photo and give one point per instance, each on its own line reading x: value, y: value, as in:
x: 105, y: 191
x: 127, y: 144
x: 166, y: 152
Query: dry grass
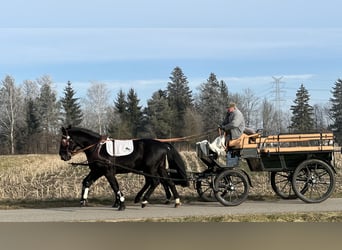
x: 47, y: 178
x: 280, y: 217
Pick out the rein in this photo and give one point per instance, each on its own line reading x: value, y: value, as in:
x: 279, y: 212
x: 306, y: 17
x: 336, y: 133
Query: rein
x: 86, y: 163
x: 75, y: 152
x: 185, y: 138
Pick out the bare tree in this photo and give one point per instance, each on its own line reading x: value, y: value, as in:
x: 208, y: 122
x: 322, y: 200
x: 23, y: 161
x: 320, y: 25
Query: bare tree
x: 320, y: 117
x: 96, y: 106
x: 267, y: 117
x: 249, y: 107
x: 30, y: 89
x: 11, y: 107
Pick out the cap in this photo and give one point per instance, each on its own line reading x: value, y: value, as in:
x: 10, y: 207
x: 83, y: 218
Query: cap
x: 231, y: 105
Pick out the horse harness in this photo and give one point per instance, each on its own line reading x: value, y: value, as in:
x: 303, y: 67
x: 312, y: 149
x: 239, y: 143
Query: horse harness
x: 97, y: 157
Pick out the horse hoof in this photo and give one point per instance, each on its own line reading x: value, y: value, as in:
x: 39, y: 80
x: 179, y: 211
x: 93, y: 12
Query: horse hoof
x: 136, y: 200
x: 144, y: 204
x: 115, y: 205
x: 122, y: 208
x: 177, y: 203
x: 83, y: 203
x: 167, y: 202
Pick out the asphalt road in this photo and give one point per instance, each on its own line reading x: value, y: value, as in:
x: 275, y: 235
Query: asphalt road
x: 135, y: 212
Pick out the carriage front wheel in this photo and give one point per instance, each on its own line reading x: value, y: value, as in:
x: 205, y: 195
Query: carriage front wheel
x: 204, y: 188
x: 313, y: 181
x: 231, y: 187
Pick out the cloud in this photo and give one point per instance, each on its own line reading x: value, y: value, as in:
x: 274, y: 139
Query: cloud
x: 63, y: 45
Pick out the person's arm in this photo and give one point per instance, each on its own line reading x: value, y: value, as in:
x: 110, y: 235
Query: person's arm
x: 236, y: 121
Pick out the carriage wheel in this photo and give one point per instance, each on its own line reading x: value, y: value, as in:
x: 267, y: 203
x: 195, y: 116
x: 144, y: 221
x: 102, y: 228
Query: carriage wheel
x: 204, y: 188
x: 313, y: 181
x: 281, y: 183
x: 231, y: 187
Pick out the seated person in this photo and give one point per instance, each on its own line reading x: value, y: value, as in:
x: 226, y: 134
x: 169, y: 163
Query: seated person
x: 233, y: 124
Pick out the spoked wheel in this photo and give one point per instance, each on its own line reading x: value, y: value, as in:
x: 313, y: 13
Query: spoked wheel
x: 204, y: 188
x: 231, y: 187
x: 281, y: 183
x: 313, y: 181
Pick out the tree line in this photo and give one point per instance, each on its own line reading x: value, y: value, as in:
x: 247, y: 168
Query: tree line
x: 32, y: 114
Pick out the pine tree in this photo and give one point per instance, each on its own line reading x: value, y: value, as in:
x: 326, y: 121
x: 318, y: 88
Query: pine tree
x: 48, y: 107
x: 32, y: 118
x: 180, y: 99
x: 119, y: 125
x: 210, y: 104
x: 223, y: 101
x: 72, y: 113
x: 302, y: 113
x: 336, y: 110
x: 121, y: 103
x: 134, y: 113
x: 158, y: 113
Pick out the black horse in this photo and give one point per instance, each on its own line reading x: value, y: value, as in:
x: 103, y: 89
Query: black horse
x: 148, y: 158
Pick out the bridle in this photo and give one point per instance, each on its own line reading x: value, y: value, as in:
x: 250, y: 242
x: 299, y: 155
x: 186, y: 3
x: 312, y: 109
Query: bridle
x: 66, y: 141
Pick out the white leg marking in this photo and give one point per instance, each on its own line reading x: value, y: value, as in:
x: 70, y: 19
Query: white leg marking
x: 85, y: 194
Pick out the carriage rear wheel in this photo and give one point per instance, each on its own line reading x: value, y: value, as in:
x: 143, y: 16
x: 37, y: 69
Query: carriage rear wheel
x: 281, y: 183
x: 313, y: 181
x: 204, y: 188
x: 231, y: 187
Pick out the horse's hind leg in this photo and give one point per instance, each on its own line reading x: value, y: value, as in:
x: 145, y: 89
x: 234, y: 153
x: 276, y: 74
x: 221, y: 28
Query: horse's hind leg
x: 147, y: 185
x: 167, y: 191
x: 168, y: 182
x: 143, y: 189
x: 154, y: 182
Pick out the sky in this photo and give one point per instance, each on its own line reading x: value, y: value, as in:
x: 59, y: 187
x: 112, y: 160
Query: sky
x: 137, y: 44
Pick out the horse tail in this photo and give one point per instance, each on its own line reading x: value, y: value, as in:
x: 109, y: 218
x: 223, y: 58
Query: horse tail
x: 177, y: 164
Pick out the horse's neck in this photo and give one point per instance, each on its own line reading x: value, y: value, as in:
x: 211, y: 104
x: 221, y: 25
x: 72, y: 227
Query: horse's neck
x: 86, y: 140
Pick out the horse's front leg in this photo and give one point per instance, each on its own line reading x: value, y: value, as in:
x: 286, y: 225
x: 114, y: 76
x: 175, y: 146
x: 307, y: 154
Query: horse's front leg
x: 86, y: 183
x: 119, y: 197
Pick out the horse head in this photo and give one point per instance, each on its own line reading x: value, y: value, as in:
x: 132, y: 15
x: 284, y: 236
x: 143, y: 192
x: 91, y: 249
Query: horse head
x: 76, y: 140
x: 67, y: 145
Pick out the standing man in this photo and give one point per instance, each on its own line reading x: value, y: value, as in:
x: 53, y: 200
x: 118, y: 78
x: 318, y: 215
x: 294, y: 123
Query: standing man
x: 233, y: 125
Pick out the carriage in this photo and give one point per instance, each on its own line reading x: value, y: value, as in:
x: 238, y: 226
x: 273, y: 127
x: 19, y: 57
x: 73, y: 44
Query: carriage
x: 300, y: 166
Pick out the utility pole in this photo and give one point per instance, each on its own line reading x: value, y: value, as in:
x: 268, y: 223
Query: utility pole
x: 278, y: 100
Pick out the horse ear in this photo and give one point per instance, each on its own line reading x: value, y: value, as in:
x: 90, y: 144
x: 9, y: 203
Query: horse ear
x: 69, y: 127
x: 63, y: 130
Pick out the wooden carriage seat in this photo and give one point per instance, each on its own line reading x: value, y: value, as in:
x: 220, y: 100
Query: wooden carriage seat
x: 244, y: 141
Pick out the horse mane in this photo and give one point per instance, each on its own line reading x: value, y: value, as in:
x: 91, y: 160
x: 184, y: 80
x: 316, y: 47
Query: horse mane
x: 84, y: 130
